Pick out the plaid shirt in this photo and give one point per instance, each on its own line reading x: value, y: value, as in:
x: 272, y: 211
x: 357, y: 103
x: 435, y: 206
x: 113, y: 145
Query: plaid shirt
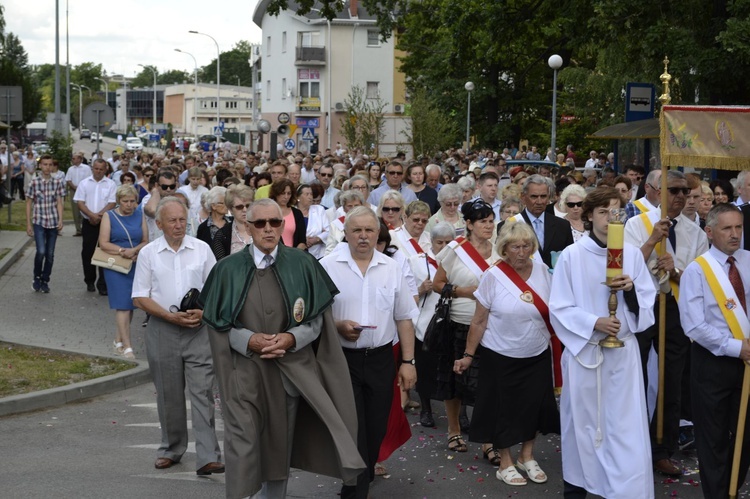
x: 44, y: 194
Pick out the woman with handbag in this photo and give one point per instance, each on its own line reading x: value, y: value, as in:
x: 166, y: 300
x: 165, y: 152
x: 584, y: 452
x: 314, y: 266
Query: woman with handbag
x: 462, y: 263
x: 123, y: 233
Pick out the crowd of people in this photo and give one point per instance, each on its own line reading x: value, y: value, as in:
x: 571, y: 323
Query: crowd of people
x: 319, y: 276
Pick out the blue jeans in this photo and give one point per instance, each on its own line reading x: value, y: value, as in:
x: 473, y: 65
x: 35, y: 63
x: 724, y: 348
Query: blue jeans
x: 45, y: 251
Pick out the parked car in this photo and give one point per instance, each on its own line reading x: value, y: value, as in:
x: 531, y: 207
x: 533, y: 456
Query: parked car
x: 85, y: 133
x: 95, y: 136
x: 133, y: 144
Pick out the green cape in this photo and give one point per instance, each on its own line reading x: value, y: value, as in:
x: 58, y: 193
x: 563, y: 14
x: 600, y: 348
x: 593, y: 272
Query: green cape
x: 307, y: 289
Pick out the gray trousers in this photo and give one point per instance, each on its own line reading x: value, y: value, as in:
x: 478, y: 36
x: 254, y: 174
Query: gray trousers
x: 276, y: 489
x: 74, y: 209
x: 180, y: 357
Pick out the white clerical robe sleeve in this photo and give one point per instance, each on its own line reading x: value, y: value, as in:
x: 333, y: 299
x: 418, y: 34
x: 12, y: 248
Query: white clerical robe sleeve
x: 636, y: 268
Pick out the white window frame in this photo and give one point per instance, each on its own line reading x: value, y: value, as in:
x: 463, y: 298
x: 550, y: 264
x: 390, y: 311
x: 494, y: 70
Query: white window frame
x: 369, y: 86
x: 370, y: 33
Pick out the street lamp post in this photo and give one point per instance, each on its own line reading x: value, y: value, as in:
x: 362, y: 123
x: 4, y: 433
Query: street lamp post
x: 218, y: 80
x: 469, y: 88
x: 555, y: 62
x: 80, y: 106
x: 153, y: 123
x: 87, y: 88
x: 195, y: 92
x: 106, y: 89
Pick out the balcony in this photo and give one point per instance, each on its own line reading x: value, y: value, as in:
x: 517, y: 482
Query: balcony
x: 310, y: 56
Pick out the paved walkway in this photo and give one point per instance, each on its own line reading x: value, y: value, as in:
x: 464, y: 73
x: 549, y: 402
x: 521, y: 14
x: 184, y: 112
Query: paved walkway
x: 68, y: 318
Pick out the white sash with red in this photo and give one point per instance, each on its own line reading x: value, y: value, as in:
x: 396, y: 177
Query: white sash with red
x: 339, y: 223
x: 469, y: 255
x: 407, y: 244
x: 516, y: 286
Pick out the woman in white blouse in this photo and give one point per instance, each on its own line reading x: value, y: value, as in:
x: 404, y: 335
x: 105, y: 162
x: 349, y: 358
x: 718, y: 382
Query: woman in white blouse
x: 316, y: 220
x: 571, y: 199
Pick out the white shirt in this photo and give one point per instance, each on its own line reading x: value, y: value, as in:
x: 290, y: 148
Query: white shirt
x: 400, y: 238
x: 317, y: 226
x: 153, y: 230
x: 378, y: 298
x: 307, y: 176
x: 165, y: 275
x: 76, y: 174
x: 700, y: 315
x: 511, y: 329
x: 194, y: 198
x: 327, y: 199
x: 95, y: 195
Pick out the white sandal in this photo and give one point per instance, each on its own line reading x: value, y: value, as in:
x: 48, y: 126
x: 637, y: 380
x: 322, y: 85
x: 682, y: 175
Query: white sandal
x: 119, y: 349
x: 128, y: 354
x: 533, y: 470
x: 509, y: 474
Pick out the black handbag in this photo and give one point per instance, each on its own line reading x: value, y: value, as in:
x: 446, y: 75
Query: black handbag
x: 437, y: 336
x: 190, y: 300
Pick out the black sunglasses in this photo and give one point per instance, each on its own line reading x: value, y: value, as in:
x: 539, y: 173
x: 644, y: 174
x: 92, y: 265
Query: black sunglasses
x: 261, y: 222
x: 394, y: 209
x: 242, y: 207
x: 676, y: 190
x: 393, y: 172
x: 570, y: 204
x: 325, y: 174
x: 168, y: 187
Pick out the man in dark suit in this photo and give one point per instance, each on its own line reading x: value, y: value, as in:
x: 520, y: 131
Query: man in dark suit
x: 745, y: 208
x: 553, y: 233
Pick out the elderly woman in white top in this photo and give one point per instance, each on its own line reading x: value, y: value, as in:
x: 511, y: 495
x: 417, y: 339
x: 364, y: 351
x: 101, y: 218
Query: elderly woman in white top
x: 411, y: 238
x: 391, y: 209
x: 515, y: 397
x: 449, y: 197
x: 468, y: 185
x: 317, y: 227
x: 572, y: 198
x: 348, y: 200
x: 238, y: 199
x: 423, y: 267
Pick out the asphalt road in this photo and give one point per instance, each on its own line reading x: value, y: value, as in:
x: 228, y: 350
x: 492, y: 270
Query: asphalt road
x: 106, y: 447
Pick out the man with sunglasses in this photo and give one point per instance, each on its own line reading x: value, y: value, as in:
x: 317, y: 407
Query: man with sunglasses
x: 265, y: 306
x: 94, y: 196
x: 685, y: 241
x: 635, y: 173
x: 394, y: 180
x: 324, y: 178
x: 652, y: 199
x: 166, y: 185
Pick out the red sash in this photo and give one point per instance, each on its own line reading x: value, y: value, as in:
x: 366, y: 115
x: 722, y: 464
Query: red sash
x: 416, y: 246
x: 543, y: 309
x: 342, y: 218
x: 471, y: 252
x: 432, y: 261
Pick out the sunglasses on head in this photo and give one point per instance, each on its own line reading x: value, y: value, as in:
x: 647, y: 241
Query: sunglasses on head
x: 388, y: 209
x: 168, y: 187
x: 571, y: 204
x: 676, y: 190
x: 261, y: 222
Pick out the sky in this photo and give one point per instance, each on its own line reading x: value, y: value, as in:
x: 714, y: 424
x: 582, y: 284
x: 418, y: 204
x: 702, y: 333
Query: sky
x: 121, y: 35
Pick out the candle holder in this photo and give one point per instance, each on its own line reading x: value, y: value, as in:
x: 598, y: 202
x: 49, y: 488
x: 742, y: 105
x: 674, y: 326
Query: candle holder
x: 615, y: 243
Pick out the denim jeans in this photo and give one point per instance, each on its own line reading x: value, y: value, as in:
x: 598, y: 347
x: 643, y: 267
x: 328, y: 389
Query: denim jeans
x: 45, y: 251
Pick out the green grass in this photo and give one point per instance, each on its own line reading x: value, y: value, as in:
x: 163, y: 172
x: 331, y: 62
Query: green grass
x: 18, y: 215
x: 27, y: 369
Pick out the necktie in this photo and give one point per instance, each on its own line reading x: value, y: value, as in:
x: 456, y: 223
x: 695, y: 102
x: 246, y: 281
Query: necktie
x: 267, y: 261
x: 673, y: 236
x: 539, y: 229
x: 736, y: 281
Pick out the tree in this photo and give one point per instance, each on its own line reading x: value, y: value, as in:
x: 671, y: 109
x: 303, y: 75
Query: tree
x: 145, y: 78
x: 15, y: 71
x: 87, y: 74
x: 234, y: 66
x: 429, y: 130
x: 362, y: 125
x: 173, y: 76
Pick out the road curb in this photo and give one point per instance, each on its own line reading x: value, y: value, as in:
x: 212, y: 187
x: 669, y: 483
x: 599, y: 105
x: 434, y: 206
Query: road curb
x: 75, y: 392
x: 14, y: 254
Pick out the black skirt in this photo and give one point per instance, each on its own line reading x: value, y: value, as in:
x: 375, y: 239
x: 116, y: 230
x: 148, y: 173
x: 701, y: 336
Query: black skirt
x: 515, y: 399
x: 426, y: 370
x: 449, y: 384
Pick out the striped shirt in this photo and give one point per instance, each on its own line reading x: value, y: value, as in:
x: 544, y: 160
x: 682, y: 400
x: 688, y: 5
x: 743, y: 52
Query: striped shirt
x: 44, y: 195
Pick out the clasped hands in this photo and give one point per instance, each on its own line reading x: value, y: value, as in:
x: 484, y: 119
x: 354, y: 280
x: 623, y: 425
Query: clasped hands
x: 271, y: 346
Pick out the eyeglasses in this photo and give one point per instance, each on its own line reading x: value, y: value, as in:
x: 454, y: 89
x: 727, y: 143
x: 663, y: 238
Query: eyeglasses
x: 325, y: 174
x: 676, y: 190
x: 419, y: 220
x: 148, y: 174
x: 388, y: 209
x: 571, y: 204
x: 451, y: 204
x: 394, y: 172
x: 261, y: 222
x: 654, y: 188
x: 168, y: 187
x: 241, y: 206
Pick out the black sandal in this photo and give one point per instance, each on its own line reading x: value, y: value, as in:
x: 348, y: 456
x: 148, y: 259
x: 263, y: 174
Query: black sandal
x: 495, y: 459
x: 460, y: 444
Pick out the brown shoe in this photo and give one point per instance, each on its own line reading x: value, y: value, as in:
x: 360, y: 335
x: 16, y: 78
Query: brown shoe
x: 163, y: 463
x: 667, y: 467
x: 210, y: 468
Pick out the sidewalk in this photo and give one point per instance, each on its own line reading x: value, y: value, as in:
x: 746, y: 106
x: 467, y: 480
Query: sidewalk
x: 68, y: 318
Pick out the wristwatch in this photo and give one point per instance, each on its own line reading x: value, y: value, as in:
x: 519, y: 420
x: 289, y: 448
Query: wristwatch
x: 411, y: 361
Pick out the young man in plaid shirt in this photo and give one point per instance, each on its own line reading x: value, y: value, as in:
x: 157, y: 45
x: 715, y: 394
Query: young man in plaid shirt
x: 44, y: 218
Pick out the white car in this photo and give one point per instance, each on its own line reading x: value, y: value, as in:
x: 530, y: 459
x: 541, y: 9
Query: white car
x: 133, y: 144
x: 95, y: 136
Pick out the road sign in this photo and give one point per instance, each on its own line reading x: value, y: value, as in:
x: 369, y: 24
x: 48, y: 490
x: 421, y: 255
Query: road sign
x: 289, y: 144
x: 221, y: 126
x: 308, y: 133
x: 11, y: 103
x: 292, y: 129
x: 639, y: 101
x: 284, y: 118
x: 98, y: 116
x: 308, y: 122
x: 143, y: 129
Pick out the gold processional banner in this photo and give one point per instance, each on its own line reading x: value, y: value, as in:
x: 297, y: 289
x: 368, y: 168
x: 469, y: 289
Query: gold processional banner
x: 706, y: 136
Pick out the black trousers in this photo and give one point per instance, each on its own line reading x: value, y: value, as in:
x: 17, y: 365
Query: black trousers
x: 372, y: 380
x: 676, y: 349
x: 90, y: 236
x: 716, y: 384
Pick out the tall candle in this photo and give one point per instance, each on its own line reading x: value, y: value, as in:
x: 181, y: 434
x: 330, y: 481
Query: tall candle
x: 615, y: 240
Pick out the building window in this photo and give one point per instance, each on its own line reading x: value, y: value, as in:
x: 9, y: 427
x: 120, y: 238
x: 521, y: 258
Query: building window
x: 309, y: 39
x: 372, y: 90
x: 268, y: 89
x: 373, y: 38
x: 268, y: 46
x: 283, y: 42
x: 283, y: 88
x: 230, y: 104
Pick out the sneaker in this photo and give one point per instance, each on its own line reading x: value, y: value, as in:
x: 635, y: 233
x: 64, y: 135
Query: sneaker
x: 686, y: 440
x: 45, y: 287
x: 36, y: 285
